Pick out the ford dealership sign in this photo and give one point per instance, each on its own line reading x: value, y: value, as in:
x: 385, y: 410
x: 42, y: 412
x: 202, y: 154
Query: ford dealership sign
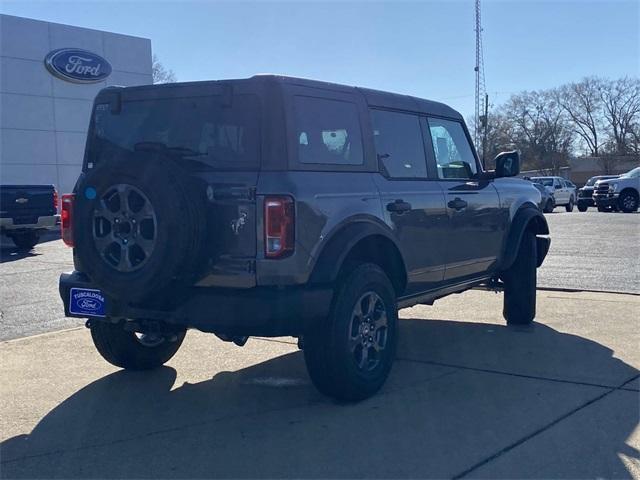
x: 75, y: 65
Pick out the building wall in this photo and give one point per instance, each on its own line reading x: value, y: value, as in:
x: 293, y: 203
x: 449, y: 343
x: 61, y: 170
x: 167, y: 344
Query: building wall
x: 43, y: 119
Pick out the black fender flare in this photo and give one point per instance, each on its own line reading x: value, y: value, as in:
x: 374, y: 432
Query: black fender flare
x: 527, y: 216
x: 328, y: 263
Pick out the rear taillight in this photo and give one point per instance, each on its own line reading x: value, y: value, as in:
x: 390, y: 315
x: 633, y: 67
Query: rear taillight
x: 55, y: 200
x: 279, y: 226
x: 66, y: 218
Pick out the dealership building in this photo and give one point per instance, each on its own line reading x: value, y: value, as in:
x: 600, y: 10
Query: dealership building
x: 49, y: 76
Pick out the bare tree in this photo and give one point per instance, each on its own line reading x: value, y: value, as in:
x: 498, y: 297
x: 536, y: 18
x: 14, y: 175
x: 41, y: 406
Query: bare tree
x: 160, y: 73
x: 583, y: 104
x: 538, y: 126
x: 621, y: 102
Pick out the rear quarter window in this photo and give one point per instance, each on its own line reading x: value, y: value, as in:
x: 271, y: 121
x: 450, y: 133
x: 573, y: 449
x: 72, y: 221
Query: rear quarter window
x: 327, y: 132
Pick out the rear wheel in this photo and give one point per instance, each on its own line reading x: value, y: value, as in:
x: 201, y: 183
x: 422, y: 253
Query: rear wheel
x: 520, y: 284
x: 25, y: 240
x: 350, y: 355
x: 131, y: 350
x: 569, y: 206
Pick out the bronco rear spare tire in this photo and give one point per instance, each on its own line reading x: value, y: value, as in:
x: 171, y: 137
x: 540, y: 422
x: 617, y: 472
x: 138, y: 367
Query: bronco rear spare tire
x: 139, y: 225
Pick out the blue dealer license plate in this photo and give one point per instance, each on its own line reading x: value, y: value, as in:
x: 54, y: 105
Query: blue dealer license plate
x: 86, y: 302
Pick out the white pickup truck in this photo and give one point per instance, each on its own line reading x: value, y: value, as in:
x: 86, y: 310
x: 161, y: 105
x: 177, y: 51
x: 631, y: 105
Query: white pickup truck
x: 620, y: 193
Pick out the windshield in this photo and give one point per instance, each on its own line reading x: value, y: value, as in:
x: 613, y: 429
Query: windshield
x: 632, y: 174
x: 200, y: 129
x: 547, y: 182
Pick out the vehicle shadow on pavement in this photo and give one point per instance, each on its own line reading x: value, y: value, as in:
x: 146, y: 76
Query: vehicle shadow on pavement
x: 11, y: 254
x: 459, y: 394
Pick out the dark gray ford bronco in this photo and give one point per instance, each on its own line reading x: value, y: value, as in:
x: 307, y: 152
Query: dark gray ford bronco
x: 280, y: 206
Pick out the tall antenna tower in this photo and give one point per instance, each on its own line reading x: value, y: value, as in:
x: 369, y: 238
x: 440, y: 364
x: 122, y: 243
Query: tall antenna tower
x: 481, y: 92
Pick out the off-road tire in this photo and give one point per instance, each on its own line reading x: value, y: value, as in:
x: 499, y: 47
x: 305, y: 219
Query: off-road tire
x: 628, y: 201
x: 569, y: 206
x: 25, y: 240
x: 330, y: 363
x: 582, y: 207
x: 123, y: 349
x: 520, y: 283
x: 549, y: 206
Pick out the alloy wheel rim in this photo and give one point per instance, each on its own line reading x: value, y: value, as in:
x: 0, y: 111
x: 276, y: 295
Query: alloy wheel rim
x: 368, y: 331
x: 629, y: 202
x: 124, y: 228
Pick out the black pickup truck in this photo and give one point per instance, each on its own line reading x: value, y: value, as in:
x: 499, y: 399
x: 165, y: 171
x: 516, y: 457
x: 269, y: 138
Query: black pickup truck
x: 27, y: 211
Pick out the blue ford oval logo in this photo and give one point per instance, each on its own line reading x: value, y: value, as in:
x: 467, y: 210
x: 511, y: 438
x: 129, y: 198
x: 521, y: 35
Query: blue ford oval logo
x: 75, y: 65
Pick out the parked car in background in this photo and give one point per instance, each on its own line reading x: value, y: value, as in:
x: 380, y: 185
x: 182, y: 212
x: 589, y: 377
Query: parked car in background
x: 547, y: 201
x: 563, y: 190
x: 585, y: 194
x: 27, y: 211
x: 622, y: 192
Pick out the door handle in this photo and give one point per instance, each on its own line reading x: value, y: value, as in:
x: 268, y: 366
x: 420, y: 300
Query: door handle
x: 399, y: 206
x: 457, y: 204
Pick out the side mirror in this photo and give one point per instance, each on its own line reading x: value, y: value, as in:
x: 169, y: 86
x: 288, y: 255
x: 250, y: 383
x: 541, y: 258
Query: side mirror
x: 507, y: 164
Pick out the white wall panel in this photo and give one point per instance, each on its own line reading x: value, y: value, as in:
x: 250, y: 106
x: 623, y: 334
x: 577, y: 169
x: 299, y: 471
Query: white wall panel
x: 24, y: 76
x: 23, y: 38
x: 72, y: 115
x: 70, y: 147
x: 30, y: 174
x: 128, y: 54
x: 65, y: 36
x: 27, y: 147
x: 26, y: 112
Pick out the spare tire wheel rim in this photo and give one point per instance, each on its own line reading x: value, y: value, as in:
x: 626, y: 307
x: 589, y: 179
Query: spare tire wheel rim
x: 124, y: 227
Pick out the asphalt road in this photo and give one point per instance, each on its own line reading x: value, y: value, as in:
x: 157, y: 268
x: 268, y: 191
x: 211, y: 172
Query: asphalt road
x: 589, y: 251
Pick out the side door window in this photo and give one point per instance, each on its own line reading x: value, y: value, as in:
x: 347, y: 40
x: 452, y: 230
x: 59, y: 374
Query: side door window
x: 399, y: 144
x: 327, y: 132
x: 413, y: 205
x: 454, y: 157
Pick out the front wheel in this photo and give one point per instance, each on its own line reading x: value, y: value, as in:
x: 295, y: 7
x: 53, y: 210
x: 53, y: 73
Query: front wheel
x: 131, y: 350
x: 26, y: 240
x: 349, y: 356
x: 582, y: 207
x: 569, y: 206
x: 549, y: 206
x: 628, y: 201
x: 520, y: 283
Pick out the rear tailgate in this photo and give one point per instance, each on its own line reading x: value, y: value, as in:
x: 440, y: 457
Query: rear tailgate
x: 25, y: 203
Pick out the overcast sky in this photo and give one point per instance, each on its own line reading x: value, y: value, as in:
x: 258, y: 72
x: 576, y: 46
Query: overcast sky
x: 421, y: 48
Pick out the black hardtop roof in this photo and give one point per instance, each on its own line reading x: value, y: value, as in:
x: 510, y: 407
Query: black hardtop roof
x: 374, y: 98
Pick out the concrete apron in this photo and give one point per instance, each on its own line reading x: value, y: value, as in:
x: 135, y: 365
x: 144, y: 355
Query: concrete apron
x: 468, y: 396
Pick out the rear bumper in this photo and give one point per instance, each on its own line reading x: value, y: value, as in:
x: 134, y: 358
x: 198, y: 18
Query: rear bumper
x: 51, y: 222
x: 267, y: 311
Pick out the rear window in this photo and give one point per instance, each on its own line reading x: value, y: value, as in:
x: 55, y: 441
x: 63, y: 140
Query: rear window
x: 199, y: 130
x: 327, y: 132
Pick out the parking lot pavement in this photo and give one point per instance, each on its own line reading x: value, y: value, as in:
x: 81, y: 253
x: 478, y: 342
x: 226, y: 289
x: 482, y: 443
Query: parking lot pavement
x: 29, y: 299
x: 467, y: 397
x: 589, y: 251
x: 593, y: 251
